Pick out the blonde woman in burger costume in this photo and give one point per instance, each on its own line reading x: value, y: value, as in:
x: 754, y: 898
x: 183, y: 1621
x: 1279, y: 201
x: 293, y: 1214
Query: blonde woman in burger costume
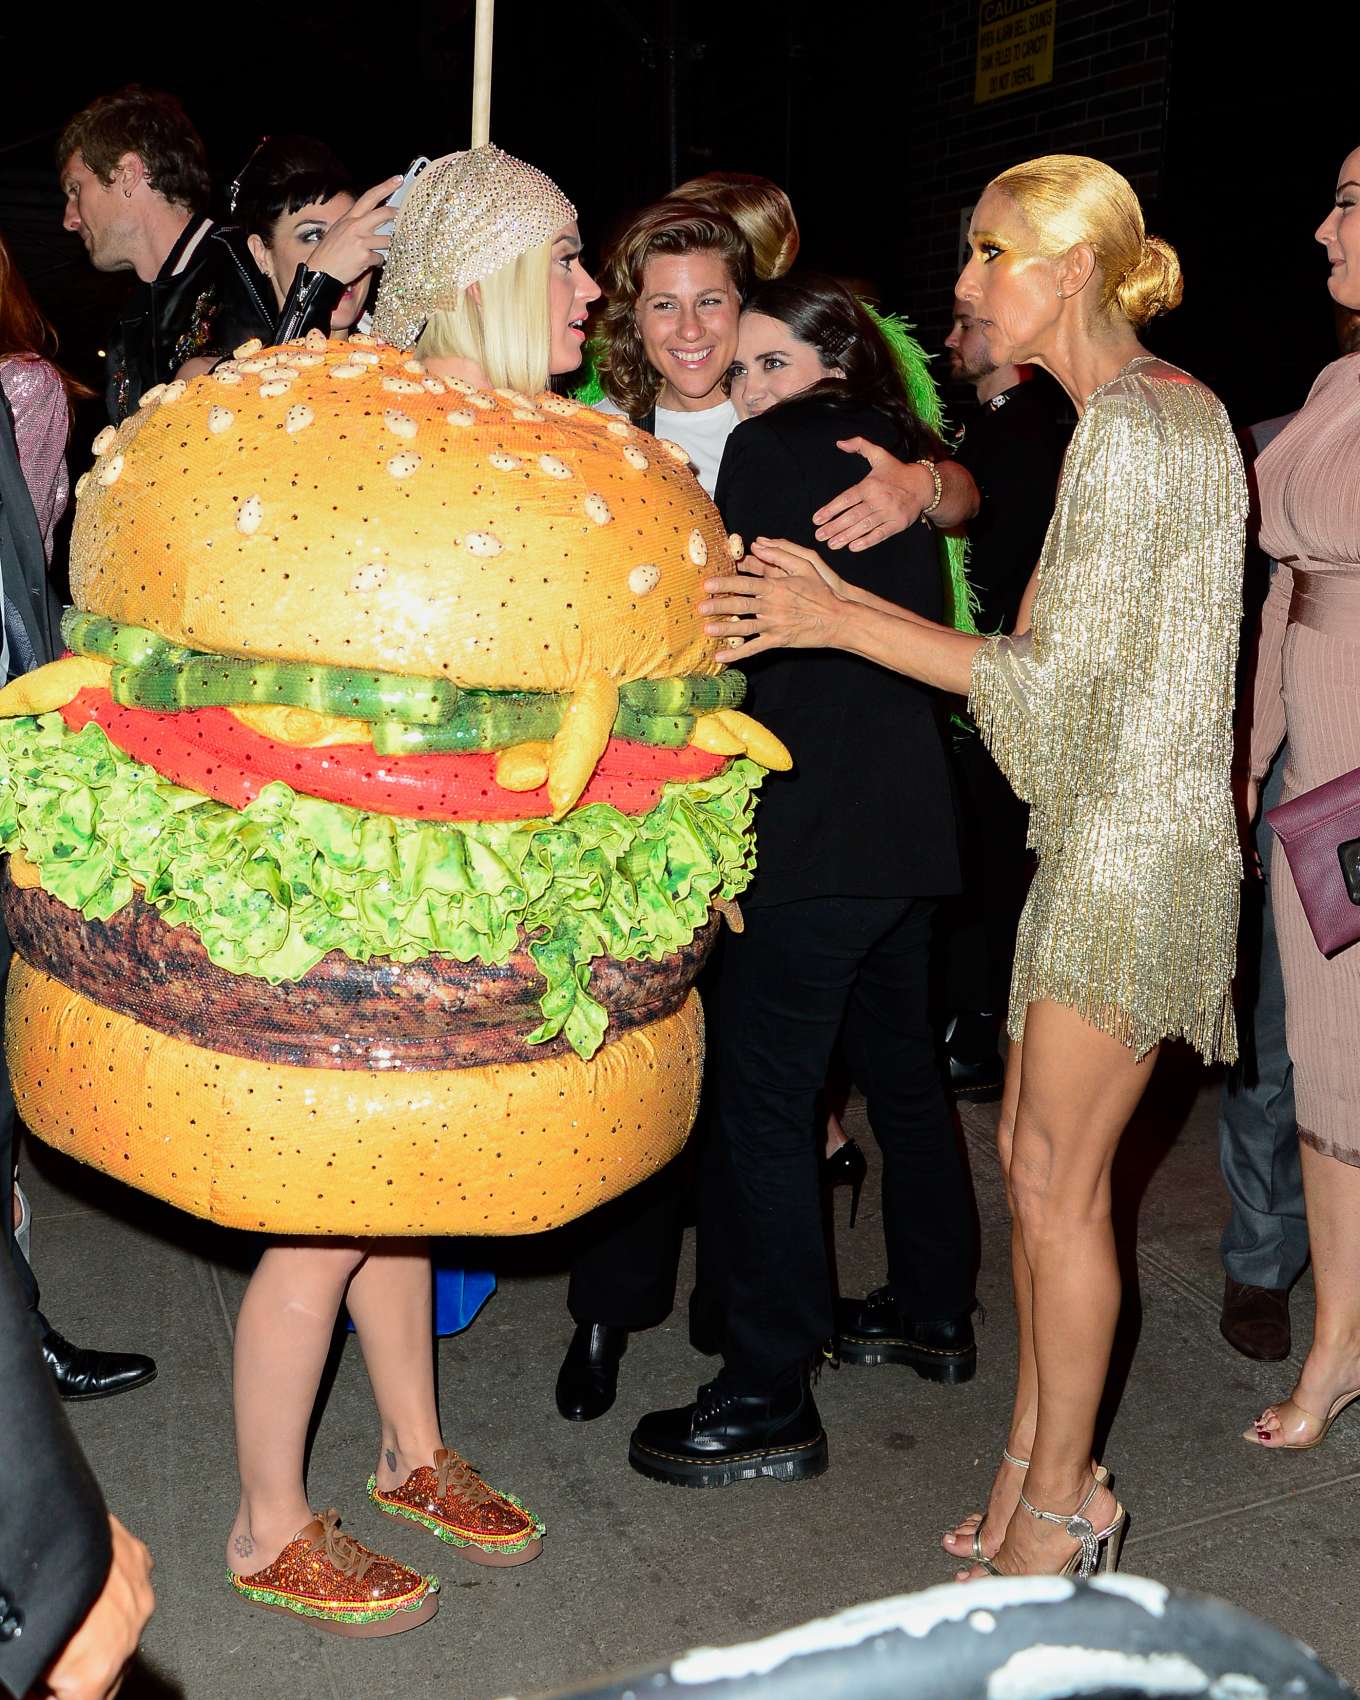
x: 1110, y: 712
x: 484, y: 282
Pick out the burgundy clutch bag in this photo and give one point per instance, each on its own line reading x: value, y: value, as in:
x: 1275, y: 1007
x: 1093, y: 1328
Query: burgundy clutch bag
x: 1320, y: 834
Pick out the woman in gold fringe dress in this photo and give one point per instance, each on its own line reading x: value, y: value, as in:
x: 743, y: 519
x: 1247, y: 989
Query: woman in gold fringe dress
x: 1110, y: 711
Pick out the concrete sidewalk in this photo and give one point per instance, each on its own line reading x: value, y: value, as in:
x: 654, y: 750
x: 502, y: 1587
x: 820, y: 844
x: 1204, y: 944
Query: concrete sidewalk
x: 633, y: 1571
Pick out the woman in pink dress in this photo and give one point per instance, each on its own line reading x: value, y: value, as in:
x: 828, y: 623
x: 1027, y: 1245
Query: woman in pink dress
x: 39, y: 395
x: 1308, y: 681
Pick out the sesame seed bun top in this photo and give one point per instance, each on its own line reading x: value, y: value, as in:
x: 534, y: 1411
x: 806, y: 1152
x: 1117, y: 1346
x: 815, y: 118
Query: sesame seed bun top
x: 329, y: 501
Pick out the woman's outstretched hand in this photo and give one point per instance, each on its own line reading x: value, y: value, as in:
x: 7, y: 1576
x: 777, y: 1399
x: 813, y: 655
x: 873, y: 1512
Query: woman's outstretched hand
x: 785, y: 596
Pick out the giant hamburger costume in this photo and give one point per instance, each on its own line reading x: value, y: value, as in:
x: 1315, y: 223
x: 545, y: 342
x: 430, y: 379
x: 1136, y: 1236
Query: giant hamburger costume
x: 385, y: 798
x: 388, y: 797
x: 364, y: 848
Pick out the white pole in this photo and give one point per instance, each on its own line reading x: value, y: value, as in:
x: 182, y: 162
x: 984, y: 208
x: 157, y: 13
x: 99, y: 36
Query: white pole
x: 481, y: 74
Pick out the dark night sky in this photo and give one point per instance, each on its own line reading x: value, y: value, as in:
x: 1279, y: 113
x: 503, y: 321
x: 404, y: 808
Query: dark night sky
x: 815, y: 95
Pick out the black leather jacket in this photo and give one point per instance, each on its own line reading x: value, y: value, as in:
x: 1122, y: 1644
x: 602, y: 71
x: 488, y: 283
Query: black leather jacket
x: 202, y: 307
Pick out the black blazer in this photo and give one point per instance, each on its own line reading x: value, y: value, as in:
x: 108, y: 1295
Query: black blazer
x: 55, y: 1548
x: 868, y: 810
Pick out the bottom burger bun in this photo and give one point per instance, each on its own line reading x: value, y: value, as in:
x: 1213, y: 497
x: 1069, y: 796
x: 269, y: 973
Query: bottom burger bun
x: 498, y: 1149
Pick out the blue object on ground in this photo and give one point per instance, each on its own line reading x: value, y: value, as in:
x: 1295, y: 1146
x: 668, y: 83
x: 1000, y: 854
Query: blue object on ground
x: 458, y: 1295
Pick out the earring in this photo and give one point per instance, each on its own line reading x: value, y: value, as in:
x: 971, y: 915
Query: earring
x: 1061, y: 296
x: 127, y: 194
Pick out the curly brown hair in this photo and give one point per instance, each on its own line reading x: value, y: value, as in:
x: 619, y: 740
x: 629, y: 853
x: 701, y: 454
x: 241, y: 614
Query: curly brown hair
x: 150, y: 124
x: 668, y: 227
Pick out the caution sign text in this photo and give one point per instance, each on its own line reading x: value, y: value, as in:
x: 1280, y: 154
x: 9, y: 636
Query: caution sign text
x: 1015, y: 46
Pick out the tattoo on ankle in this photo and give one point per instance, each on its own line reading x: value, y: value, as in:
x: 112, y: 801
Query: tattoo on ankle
x: 391, y: 1458
x: 243, y: 1546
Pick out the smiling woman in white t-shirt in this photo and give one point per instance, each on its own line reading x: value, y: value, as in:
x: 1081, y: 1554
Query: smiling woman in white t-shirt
x: 674, y: 283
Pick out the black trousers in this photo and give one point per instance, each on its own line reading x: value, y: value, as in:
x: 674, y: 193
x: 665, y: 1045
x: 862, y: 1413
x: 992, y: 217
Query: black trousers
x: 626, y: 1255
x: 977, y: 929
x: 801, y: 974
x: 624, y: 1270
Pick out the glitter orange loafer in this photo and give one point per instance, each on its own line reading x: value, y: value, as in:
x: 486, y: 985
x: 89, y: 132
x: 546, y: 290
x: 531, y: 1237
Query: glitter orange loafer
x: 340, y: 1586
x: 452, y: 1501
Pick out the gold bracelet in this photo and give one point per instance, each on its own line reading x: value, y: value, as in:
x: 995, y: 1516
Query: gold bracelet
x: 938, y: 482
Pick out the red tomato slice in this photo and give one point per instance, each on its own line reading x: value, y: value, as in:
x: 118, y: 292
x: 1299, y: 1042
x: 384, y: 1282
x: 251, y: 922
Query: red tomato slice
x: 210, y: 751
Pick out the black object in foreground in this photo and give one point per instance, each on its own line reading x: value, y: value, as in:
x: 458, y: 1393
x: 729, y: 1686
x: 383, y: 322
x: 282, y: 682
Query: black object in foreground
x: 1017, y: 1638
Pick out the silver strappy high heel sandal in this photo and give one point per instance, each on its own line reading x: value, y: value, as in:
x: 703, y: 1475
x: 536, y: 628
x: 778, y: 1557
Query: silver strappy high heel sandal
x: 1098, y: 1549
x: 1099, y: 1474
x: 975, y: 1548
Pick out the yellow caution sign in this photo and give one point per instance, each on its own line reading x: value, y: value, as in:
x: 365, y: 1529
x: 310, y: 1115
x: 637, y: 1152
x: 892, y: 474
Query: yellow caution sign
x: 1015, y: 47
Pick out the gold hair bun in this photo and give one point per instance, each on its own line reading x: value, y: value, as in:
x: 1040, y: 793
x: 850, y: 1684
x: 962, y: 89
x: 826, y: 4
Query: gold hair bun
x: 1153, y: 284
x: 334, y: 502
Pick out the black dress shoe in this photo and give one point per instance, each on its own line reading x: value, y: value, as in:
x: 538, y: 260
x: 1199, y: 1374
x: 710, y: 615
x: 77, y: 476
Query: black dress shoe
x: 727, y: 1437
x: 82, y: 1374
x: 589, y: 1377
x: 1255, y: 1321
x: 874, y: 1330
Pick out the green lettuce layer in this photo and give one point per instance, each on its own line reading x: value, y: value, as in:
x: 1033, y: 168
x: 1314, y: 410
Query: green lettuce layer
x: 270, y: 888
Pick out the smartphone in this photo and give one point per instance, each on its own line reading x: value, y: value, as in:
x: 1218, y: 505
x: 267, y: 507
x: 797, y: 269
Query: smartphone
x: 398, y: 195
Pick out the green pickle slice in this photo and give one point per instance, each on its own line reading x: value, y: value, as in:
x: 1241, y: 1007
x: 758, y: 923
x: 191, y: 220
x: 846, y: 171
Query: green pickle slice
x: 483, y: 720
x: 672, y: 731
x: 695, y: 693
x: 93, y: 634
x: 409, y: 716
x: 210, y: 681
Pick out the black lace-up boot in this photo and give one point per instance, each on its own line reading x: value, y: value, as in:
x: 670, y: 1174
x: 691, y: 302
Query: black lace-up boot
x: 731, y: 1436
x: 875, y: 1330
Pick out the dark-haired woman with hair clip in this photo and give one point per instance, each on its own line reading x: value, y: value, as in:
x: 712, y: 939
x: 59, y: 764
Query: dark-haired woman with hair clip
x: 853, y: 848
x: 315, y: 244
x: 290, y: 274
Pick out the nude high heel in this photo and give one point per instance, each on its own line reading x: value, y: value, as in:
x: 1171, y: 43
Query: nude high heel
x: 1257, y: 1436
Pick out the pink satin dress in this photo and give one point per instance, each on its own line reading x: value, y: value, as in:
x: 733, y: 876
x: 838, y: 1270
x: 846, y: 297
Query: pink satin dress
x: 1308, y: 690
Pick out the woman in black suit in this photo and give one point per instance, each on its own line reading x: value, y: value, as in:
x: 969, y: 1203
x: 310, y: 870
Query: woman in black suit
x: 853, y: 849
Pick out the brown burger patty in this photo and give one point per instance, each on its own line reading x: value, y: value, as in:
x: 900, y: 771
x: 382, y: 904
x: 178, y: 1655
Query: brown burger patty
x: 434, y: 1014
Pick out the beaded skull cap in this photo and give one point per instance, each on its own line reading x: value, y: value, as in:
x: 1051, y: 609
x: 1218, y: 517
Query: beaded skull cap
x: 466, y: 216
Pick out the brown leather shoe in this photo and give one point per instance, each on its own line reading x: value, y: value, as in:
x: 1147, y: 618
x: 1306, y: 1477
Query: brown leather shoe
x: 1255, y: 1320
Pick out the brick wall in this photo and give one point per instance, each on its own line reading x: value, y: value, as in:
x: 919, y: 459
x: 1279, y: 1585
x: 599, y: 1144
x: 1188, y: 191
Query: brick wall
x: 1108, y: 98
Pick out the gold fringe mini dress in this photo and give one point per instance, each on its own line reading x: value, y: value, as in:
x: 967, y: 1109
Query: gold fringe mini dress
x: 1112, y: 716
